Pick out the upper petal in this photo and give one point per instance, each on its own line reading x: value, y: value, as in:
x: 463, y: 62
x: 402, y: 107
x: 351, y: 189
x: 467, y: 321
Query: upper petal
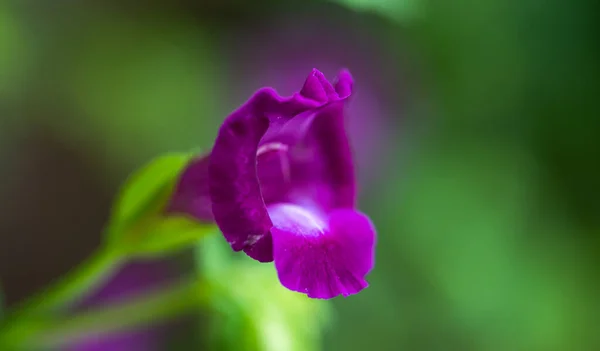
x: 321, y: 255
x: 321, y: 164
x: 343, y: 86
x: 328, y: 135
x: 318, y: 88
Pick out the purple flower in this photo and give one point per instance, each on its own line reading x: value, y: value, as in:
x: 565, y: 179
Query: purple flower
x: 281, y: 186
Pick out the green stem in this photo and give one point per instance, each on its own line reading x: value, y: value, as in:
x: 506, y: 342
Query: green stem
x: 73, y: 286
x: 134, y: 312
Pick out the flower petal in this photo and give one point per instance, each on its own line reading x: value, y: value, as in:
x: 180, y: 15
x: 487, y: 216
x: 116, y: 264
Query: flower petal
x: 318, y: 88
x: 343, y: 86
x: 191, y: 195
x: 322, y: 165
x: 318, y: 161
x: 320, y: 256
x: 237, y: 203
x: 274, y: 173
x: 262, y: 249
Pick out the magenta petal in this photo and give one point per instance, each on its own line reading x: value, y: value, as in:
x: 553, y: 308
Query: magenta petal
x: 313, y: 89
x: 191, y: 195
x: 237, y: 203
x: 324, y: 167
x: 335, y: 148
x: 343, y: 86
x: 322, y: 257
x: 262, y: 250
x: 318, y: 88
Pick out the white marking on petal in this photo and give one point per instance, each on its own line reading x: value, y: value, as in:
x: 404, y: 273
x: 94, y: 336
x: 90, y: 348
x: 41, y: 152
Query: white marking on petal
x: 271, y: 147
x: 252, y: 239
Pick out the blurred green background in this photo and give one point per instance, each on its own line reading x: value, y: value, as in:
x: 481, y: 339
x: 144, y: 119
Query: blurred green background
x: 476, y: 127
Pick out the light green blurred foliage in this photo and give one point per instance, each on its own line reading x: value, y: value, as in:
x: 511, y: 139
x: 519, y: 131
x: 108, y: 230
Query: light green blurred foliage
x: 465, y: 220
x: 144, y: 85
x: 252, y: 310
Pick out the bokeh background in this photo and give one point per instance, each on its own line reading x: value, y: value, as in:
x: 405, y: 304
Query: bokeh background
x: 476, y: 127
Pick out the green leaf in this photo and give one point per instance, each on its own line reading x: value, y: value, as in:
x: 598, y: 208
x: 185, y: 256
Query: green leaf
x: 147, y: 188
x: 161, y: 235
x: 138, y: 225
